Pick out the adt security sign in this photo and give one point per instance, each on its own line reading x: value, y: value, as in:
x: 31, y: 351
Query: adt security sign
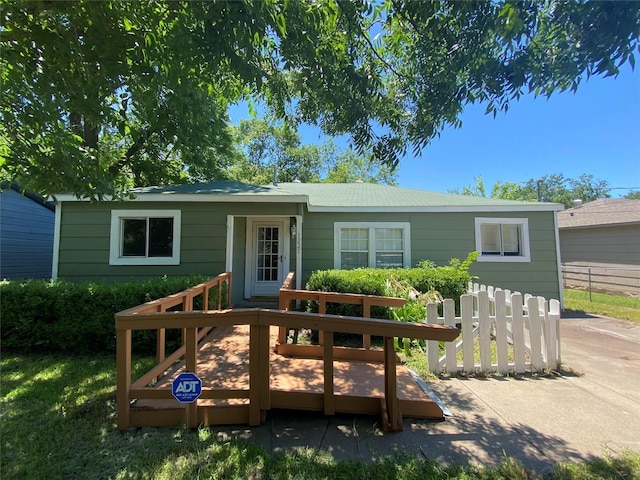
x: 187, y: 387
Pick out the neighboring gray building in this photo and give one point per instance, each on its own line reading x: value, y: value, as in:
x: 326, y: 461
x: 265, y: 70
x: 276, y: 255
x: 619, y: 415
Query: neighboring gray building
x: 600, y: 246
x: 261, y: 232
x: 602, y: 232
x: 26, y: 233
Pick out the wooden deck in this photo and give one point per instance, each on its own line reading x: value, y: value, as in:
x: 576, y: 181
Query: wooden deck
x: 295, y: 383
x: 247, y: 368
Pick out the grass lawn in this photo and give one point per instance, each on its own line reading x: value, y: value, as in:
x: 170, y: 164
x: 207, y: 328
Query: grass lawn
x: 614, y: 306
x: 58, y: 421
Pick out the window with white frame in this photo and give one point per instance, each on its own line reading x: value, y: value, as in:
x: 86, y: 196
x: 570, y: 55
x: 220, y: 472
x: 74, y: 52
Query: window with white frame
x: 145, y: 237
x: 502, y: 239
x: 366, y: 244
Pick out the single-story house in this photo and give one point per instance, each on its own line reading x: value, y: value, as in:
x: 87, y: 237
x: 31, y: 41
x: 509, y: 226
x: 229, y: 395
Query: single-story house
x: 26, y: 233
x: 261, y: 232
x: 602, y: 232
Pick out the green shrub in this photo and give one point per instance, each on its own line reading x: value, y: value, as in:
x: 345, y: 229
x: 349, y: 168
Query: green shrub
x: 449, y: 281
x: 70, y: 317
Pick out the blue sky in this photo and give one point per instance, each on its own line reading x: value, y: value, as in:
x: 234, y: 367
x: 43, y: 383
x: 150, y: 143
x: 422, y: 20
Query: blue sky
x: 594, y: 131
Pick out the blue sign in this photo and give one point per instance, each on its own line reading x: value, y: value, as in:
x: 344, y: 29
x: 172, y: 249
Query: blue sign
x: 187, y: 387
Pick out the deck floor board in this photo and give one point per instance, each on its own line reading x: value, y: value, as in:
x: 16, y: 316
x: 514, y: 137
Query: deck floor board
x: 223, y: 362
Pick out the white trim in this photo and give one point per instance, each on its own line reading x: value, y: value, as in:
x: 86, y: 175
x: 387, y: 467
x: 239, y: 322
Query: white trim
x: 281, y: 221
x: 198, y: 197
x: 229, y: 246
x: 526, y: 250
x: 56, y: 242
x: 446, y: 209
x: 277, y: 198
x: 558, y: 259
x: 298, y: 241
x: 115, y: 238
x: 371, y: 226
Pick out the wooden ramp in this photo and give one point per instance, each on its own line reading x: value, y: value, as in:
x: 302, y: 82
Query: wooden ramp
x: 295, y: 383
x: 247, y: 368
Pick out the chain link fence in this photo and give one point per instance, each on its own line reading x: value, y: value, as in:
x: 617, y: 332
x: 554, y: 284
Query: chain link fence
x: 602, y: 279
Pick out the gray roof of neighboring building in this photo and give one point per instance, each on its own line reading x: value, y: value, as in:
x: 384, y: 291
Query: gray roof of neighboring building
x: 600, y: 213
x: 338, y: 196
x: 16, y: 187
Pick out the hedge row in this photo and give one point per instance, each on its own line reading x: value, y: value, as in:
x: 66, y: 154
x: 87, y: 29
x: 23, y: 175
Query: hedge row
x: 449, y: 281
x: 69, y: 317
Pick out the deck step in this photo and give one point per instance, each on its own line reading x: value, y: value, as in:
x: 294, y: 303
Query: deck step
x: 258, y: 302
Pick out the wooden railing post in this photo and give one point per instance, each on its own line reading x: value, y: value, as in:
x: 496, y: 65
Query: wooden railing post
x: 205, y: 297
x: 322, y: 309
x: 329, y: 399
x: 366, y: 313
x: 259, y: 369
x: 391, y: 387
x: 161, y: 343
x: 123, y: 374
x: 191, y: 365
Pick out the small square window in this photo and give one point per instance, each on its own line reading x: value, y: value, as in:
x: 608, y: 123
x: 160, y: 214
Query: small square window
x: 502, y: 239
x: 145, y: 237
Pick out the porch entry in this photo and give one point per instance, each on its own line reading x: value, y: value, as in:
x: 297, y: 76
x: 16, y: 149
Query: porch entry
x: 267, y: 255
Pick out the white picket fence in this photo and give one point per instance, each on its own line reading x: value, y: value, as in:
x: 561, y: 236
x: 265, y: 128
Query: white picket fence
x: 512, y: 333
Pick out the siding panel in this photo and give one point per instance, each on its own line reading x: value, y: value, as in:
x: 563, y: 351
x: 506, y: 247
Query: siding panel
x: 26, y: 237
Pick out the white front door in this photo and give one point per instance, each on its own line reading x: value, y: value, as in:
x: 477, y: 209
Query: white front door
x: 267, y: 256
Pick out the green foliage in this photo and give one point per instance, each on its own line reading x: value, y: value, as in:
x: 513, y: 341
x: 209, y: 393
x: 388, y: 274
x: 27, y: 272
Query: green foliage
x: 614, y: 306
x: 62, y: 409
x: 152, y: 107
x: 265, y: 146
x: 349, y: 167
x: 633, y: 195
x: 62, y: 316
x: 448, y: 281
x: 549, y: 188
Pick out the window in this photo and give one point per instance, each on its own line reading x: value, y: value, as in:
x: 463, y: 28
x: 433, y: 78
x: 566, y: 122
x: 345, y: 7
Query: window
x: 145, y: 237
x: 502, y: 239
x: 379, y: 245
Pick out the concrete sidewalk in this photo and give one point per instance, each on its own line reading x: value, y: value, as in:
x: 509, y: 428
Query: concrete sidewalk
x: 539, y: 420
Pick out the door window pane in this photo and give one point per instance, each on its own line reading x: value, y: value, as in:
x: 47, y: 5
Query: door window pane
x: 268, y: 248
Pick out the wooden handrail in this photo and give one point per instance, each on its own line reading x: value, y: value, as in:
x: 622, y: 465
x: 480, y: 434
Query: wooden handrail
x: 196, y: 324
x: 260, y: 321
x: 288, y: 295
x: 184, y: 299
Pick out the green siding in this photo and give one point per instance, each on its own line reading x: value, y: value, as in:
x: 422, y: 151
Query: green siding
x: 435, y: 236
x: 440, y: 237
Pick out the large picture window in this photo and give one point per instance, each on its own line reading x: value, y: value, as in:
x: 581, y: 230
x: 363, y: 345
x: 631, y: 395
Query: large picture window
x: 376, y: 245
x: 145, y: 237
x: 502, y: 239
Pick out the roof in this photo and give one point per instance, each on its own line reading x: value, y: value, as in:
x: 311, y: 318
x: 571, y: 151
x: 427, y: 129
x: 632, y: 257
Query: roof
x: 16, y: 187
x: 601, y: 213
x: 332, y: 197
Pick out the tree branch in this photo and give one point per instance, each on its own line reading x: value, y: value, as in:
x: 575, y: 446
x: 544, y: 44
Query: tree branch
x: 134, y: 149
x: 372, y: 47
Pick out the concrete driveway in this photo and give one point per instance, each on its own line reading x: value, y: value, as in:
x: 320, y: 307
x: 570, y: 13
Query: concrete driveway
x: 590, y: 409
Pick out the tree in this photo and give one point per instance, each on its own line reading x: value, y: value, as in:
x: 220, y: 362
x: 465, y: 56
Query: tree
x: 549, y: 188
x: 349, y: 167
x: 268, y: 152
x: 633, y: 195
x: 98, y: 96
